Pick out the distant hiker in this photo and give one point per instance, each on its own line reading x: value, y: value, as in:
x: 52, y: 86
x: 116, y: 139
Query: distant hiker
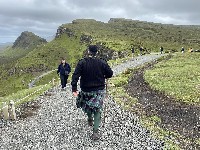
x: 132, y: 51
x: 63, y: 70
x: 161, y: 50
x: 182, y: 49
x: 191, y: 49
x: 141, y: 49
x: 93, y: 72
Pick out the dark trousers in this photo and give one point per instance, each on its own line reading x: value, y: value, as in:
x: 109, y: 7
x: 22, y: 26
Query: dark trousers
x: 63, y: 79
x: 97, y: 119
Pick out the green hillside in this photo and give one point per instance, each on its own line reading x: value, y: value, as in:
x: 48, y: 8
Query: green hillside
x: 9, y: 54
x: 116, y: 36
x: 46, y: 57
x: 120, y: 34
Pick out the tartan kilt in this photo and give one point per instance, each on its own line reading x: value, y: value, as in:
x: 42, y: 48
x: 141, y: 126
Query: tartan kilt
x: 90, y: 102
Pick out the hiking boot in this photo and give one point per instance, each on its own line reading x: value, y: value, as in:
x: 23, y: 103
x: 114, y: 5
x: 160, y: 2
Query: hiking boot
x: 95, y: 136
x: 90, y: 122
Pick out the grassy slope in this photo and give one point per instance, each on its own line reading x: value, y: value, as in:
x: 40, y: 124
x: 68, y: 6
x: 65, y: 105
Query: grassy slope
x: 179, y: 77
x: 38, y: 61
x: 121, y: 35
x: 25, y: 95
x: 8, y: 54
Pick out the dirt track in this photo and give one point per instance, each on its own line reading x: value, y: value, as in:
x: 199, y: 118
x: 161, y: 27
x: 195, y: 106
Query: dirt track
x: 175, y: 116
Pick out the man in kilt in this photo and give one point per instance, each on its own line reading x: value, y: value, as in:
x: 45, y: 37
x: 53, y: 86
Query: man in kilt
x: 92, y: 72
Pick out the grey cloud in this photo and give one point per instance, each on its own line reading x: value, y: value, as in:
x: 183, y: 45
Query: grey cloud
x: 179, y: 10
x: 44, y: 16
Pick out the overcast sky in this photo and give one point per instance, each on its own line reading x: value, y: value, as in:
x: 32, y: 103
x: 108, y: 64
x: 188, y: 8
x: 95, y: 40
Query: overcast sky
x: 42, y: 17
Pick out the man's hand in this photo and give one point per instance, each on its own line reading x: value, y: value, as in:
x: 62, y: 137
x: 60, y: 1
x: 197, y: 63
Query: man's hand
x: 75, y: 93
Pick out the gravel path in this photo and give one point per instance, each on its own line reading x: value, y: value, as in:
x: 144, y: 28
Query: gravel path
x: 58, y: 124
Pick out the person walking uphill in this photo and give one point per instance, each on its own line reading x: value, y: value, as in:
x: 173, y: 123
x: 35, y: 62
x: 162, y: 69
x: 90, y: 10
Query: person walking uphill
x: 182, y: 50
x: 161, y: 50
x: 63, y: 70
x: 133, y: 51
x: 93, y: 72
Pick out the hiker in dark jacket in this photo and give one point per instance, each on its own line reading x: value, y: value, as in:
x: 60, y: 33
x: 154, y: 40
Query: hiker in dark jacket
x: 133, y: 51
x: 182, y: 49
x: 63, y: 70
x: 161, y: 50
x: 141, y: 49
x: 93, y: 72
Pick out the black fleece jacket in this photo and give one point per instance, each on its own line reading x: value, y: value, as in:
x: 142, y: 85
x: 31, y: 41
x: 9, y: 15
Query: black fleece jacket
x: 62, y: 68
x: 93, y: 72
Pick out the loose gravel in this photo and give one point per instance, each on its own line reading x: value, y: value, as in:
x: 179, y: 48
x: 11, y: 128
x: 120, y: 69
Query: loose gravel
x: 59, y: 125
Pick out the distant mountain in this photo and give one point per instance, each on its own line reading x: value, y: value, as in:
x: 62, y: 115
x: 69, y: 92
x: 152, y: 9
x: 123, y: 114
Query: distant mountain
x: 25, y: 43
x: 28, y: 40
x: 5, y: 45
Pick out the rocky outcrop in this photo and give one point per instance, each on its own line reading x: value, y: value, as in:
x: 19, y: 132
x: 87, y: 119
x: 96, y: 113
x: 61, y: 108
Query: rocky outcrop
x: 28, y: 40
x: 107, y: 54
x: 86, y: 38
x: 62, y: 30
x: 103, y: 52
